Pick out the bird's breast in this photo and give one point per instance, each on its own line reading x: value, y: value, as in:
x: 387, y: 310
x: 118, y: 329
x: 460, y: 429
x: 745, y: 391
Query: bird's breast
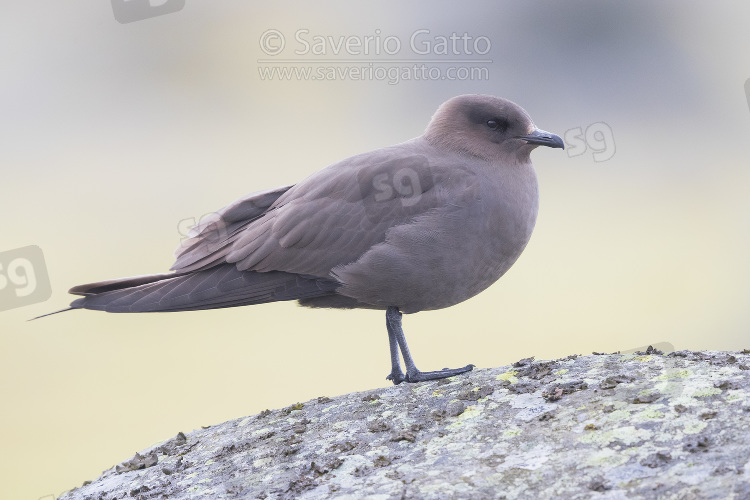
x: 499, y: 228
x: 451, y: 253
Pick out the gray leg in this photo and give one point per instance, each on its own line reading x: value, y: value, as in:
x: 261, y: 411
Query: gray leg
x: 396, y: 336
x: 393, y: 322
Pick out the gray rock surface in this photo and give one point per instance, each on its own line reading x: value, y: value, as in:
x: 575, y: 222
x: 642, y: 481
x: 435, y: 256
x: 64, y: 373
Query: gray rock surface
x: 613, y: 426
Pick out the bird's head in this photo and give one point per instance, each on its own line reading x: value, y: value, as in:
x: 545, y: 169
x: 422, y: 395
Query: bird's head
x: 487, y: 127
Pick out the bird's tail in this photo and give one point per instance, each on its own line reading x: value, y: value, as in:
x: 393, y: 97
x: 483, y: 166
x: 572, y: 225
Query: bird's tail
x: 50, y: 314
x: 218, y: 287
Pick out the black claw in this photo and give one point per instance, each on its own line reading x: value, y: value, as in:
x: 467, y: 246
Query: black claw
x: 396, y: 378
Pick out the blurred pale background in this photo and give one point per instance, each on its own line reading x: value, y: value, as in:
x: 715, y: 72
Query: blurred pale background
x: 114, y: 133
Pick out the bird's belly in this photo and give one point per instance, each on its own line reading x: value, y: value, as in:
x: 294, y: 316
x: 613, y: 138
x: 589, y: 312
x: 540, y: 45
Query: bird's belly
x: 438, y: 266
x: 452, y: 282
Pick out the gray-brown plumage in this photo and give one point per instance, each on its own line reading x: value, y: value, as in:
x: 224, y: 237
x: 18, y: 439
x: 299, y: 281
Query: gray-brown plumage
x: 417, y: 226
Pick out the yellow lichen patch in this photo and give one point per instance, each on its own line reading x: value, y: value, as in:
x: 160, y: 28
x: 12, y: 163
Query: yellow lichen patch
x: 511, y: 433
x: 618, y: 415
x: 671, y: 375
x: 562, y: 371
x: 437, y: 393
x: 707, y: 391
x: 649, y: 414
x: 509, y: 376
x: 209, y: 462
x: 607, y: 458
x: 329, y: 408
x: 468, y: 414
x: 694, y: 427
x: 420, y: 388
x: 628, y: 435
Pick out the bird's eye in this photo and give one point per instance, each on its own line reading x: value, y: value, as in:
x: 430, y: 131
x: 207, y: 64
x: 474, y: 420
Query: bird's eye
x: 497, y: 124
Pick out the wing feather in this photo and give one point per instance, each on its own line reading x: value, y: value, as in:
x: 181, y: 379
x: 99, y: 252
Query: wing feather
x: 329, y: 219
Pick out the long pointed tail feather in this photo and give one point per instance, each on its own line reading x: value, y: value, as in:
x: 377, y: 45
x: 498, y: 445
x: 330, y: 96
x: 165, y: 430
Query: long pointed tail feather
x: 50, y: 314
x: 218, y: 287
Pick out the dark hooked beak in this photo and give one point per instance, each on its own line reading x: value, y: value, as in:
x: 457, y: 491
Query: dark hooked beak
x: 542, y: 138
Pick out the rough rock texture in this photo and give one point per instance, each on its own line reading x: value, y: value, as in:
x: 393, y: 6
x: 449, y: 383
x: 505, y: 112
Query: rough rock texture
x: 642, y: 425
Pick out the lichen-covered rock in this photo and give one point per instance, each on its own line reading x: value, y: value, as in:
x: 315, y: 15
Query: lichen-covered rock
x: 643, y: 425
